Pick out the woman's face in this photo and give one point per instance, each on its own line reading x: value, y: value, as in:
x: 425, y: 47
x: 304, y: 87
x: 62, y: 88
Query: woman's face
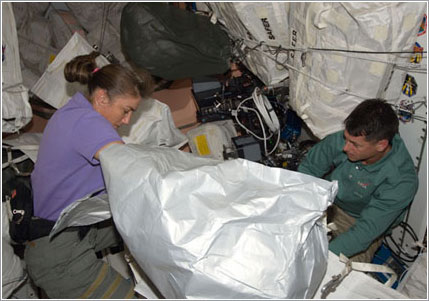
x: 117, y: 110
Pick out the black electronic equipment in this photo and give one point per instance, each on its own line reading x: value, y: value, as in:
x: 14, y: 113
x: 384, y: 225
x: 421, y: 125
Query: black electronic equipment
x: 247, y: 147
x: 216, y: 98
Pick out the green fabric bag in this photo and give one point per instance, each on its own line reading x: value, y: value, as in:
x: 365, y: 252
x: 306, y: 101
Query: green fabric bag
x: 172, y: 43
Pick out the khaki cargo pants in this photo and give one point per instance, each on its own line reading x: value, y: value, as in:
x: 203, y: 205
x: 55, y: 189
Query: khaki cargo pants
x: 343, y: 222
x: 68, y: 268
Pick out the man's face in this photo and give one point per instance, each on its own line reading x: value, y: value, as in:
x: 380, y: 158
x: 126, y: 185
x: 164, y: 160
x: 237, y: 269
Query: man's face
x: 359, y: 149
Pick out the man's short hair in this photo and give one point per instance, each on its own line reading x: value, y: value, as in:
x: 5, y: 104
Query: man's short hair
x: 373, y: 118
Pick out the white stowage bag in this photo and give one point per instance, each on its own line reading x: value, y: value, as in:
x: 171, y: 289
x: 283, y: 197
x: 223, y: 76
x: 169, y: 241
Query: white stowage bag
x: 325, y: 82
x: 52, y: 86
x: 414, y: 284
x: 255, y: 22
x: 153, y: 124
x: 325, y: 86
x: 28, y: 143
x: 203, y: 228
x: 16, y: 109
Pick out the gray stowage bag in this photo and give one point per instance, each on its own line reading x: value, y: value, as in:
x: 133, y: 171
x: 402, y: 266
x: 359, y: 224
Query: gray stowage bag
x: 172, y: 43
x: 208, y: 229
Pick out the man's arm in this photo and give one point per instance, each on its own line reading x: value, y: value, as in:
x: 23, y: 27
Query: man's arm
x: 321, y: 156
x: 387, y: 204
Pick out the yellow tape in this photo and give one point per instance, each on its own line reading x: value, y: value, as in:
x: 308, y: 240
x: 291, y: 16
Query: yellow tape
x: 202, y: 145
x: 130, y: 294
x: 96, y: 282
x: 51, y: 58
x: 113, y: 287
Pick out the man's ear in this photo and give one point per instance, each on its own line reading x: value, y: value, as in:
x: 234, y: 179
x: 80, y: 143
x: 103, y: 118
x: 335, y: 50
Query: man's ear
x: 382, y: 145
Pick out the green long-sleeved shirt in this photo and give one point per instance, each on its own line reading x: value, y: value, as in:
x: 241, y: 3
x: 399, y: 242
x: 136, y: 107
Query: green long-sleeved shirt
x: 376, y: 194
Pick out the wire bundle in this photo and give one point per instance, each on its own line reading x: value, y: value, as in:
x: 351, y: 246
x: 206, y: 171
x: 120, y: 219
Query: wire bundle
x: 265, y: 112
x: 397, y: 248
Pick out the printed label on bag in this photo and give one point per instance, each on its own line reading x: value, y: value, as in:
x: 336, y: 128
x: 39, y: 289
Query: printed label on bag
x: 202, y: 145
x: 409, y: 87
x: 418, y: 54
x: 268, y: 29
x: 423, y: 26
x: 294, y: 39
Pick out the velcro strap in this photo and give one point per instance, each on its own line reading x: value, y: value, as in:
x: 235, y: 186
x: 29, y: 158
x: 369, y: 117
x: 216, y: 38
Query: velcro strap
x: 371, y: 267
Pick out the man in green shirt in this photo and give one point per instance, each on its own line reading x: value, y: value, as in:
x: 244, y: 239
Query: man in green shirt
x: 376, y: 177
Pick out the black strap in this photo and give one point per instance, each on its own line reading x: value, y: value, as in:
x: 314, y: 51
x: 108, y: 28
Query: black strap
x: 39, y: 227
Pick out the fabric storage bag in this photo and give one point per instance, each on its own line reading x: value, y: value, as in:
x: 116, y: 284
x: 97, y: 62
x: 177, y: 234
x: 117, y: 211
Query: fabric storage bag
x: 203, y: 228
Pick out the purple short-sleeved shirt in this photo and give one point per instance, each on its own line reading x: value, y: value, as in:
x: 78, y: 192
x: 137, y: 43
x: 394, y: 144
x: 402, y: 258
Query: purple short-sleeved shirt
x: 65, y: 169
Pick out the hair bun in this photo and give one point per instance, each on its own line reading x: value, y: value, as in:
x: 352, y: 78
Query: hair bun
x: 81, y: 68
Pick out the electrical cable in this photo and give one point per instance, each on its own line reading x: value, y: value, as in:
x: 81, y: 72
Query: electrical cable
x: 410, y: 230
x: 282, y: 48
x: 363, y: 51
x: 290, y: 67
x: 343, y: 91
x: 271, y: 50
x: 260, y: 122
x: 400, y: 65
x: 421, y: 103
x: 275, y: 145
x: 414, y: 116
x: 251, y: 132
x: 264, y: 109
x: 278, y: 49
x: 344, y: 52
x: 398, y: 251
x: 401, y: 277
